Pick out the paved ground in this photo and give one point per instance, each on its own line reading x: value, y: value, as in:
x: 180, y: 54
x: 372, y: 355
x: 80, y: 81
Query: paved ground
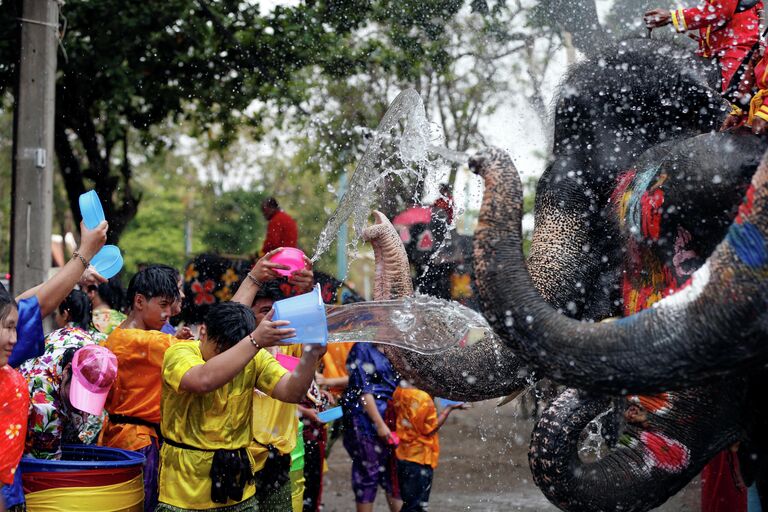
x: 483, y: 468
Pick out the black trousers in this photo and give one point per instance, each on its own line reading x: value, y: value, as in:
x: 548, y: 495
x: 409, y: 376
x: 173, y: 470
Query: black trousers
x: 415, y: 485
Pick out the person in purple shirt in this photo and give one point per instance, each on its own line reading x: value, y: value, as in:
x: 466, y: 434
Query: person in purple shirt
x: 367, y: 437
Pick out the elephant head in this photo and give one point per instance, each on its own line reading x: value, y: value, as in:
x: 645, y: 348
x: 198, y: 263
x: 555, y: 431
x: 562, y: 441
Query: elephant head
x: 478, y: 371
x: 714, y: 326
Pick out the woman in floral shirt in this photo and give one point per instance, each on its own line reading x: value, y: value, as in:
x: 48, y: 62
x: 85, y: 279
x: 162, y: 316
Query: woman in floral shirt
x: 52, y: 419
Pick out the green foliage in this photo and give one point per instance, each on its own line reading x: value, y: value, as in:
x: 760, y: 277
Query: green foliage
x: 157, y: 233
x: 234, y: 224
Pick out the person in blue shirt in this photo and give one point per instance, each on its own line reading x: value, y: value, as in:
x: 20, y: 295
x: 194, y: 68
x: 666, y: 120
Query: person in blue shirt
x: 367, y: 436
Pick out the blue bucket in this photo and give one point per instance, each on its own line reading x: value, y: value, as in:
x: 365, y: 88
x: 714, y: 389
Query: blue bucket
x: 91, y: 210
x: 306, y: 313
x: 108, y: 261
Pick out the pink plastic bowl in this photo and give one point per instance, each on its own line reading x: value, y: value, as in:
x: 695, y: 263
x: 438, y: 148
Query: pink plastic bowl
x: 291, y: 257
x: 287, y: 362
x: 94, y: 369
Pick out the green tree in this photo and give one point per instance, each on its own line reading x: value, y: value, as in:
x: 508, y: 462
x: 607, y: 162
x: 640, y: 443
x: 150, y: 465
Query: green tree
x: 235, y: 224
x: 127, y: 67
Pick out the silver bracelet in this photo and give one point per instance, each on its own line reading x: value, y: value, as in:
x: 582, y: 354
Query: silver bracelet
x: 255, y: 281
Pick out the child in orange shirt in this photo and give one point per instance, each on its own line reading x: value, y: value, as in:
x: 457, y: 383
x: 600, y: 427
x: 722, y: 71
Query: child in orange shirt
x: 419, y: 448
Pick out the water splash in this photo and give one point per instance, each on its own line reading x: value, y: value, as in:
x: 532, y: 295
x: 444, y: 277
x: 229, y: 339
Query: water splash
x: 411, y: 148
x: 424, y: 324
x: 593, y: 445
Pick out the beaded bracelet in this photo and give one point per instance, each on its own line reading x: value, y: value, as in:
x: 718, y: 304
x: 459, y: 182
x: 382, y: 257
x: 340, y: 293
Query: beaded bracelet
x: 82, y: 259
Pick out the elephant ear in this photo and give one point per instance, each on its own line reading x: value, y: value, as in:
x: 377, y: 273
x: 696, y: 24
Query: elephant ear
x: 477, y: 370
x: 670, y: 437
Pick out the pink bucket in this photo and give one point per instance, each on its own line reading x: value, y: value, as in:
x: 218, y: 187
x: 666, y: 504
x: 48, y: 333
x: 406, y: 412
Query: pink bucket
x: 94, y: 369
x: 291, y: 257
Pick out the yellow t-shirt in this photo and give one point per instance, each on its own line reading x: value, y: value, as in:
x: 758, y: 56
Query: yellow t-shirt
x: 217, y: 420
x: 274, y: 422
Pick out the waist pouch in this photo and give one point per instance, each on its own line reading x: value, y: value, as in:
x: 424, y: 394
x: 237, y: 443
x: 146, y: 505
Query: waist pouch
x: 275, y: 473
x: 230, y: 472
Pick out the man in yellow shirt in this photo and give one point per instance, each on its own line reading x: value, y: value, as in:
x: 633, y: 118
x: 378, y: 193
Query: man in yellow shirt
x: 275, y: 426
x: 207, y: 407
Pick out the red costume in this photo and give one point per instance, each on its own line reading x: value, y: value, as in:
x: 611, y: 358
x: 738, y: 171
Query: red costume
x: 723, y: 33
x: 281, y: 232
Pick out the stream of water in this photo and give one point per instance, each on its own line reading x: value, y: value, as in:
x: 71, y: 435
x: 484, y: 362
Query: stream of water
x: 424, y: 324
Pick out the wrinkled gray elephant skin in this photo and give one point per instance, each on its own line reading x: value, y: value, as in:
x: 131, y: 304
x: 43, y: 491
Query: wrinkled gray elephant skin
x: 483, y: 370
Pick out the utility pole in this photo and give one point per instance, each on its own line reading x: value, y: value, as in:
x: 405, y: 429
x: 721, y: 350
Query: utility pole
x: 32, y: 201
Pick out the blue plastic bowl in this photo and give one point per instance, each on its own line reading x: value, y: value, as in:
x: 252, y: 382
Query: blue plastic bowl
x: 444, y: 402
x: 108, y: 261
x: 306, y: 313
x: 91, y: 210
x: 330, y: 415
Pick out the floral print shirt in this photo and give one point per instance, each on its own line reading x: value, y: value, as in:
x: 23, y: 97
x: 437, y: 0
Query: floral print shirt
x: 105, y: 320
x: 51, y: 422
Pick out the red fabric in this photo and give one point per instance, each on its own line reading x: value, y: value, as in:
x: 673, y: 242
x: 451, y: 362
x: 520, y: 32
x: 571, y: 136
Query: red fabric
x: 44, y: 480
x: 281, y: 232
x: 723, y: 33
x: 446, y: 205
x: 721, y: 487
x: 14, y: 409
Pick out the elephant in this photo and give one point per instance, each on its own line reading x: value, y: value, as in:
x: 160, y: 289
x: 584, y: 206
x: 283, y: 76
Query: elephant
x: 644, y: 276
x: 629, y: 235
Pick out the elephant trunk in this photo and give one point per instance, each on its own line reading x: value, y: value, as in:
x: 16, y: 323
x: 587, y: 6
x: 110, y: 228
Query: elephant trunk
x: 679, y: 433
x: 483, y: 370
x: 684, y: 339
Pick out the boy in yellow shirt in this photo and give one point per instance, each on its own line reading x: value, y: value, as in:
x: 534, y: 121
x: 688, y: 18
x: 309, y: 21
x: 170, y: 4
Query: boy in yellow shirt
x: 208, y: 402
x: 419, y: 448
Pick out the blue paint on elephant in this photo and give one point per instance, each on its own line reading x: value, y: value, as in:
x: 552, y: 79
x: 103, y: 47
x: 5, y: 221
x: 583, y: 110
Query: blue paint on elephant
x: 748, y: 243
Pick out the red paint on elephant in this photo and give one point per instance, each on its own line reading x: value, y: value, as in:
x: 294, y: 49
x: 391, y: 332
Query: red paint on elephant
x: 664, y: 453
x: 655, y: 404
x: 746, y: 206
x: 650, y: 207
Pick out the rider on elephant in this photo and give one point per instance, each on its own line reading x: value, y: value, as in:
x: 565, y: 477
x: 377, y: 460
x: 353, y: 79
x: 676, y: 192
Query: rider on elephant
x: 728, y: 29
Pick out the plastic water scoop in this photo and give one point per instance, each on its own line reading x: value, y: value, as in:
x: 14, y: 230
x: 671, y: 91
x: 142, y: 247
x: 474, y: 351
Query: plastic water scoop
x: 108, y: 261
x: 306, y: 313
x: 291, y: 257
x: 330, y: 415
x: 91, y: 210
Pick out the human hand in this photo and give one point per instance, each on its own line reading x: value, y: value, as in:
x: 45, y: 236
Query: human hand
x: 319, y: 379
x: 303, y: 279
x: 92, y: 240
x: 184, y: 333
x: 382, y: 430
x: 759, y: 126
x: 310, y: 414
x: 315, y: 351
x: 732, y: 121
x: 656, y: 18
x: 264, y: 270
x: 90, y: 277
x: 269, y: 333
x: 328, y: 396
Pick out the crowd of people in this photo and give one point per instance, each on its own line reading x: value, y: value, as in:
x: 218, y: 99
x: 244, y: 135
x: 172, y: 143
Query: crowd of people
x: 220, y: 422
